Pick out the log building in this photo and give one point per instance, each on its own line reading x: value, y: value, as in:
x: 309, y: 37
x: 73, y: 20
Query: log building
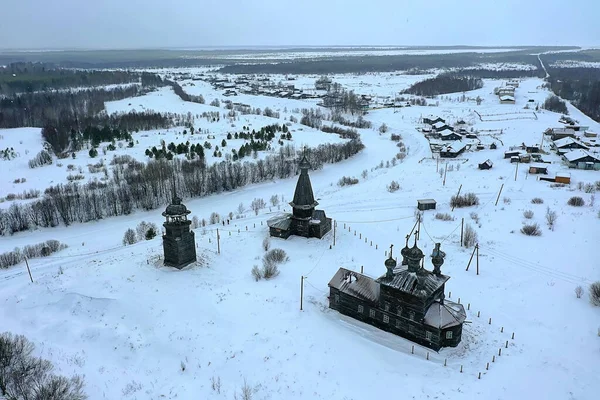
x: 406, y: 301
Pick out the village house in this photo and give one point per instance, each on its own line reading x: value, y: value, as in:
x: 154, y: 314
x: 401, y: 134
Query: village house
x: 440, y: 126
x: 582, y: 159
x: 426, y: 204
x: 506, y: 99
x: 538, y: 169
x: 452, y: 152
x: 408, y: 301
x: 487, y: 164
x: 432, y: 119
x: 559, y: 133
x: 567, y: 144
x: 447, y: 134
x: 305, y: 220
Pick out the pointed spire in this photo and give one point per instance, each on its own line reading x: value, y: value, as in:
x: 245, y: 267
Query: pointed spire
x: 391, y: 249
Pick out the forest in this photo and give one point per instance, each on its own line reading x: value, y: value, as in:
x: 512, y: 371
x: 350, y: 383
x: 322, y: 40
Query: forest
x: 27, y: 77
x: 443, y: 84
x: 581, y: 86
x: 136, y: 185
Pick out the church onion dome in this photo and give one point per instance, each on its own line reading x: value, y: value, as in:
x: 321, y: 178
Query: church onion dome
x: 176, y: 208
x: 390, y: 263
x: 405, y: 250
x: 414, y: 253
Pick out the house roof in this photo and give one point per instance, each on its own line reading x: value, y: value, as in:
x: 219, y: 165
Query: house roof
x: 426, y: 201
x: 447, y: 132
x: 303, y: 195
x: 407, y: 282
x: 507, y: 98
x: 355, y: 284
x: 575, y: 155
x: 439, y: 124
x: 488, y: 162
x: 567, y: 141
x: 445, y: 315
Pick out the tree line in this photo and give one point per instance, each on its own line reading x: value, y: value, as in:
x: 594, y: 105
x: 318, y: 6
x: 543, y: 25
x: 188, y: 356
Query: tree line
x: 443, y: 84
x: 135, y: 185
x: 28, y: 77
x: 581, y: 86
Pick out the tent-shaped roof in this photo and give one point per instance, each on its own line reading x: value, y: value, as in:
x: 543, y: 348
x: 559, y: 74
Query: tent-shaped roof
x: 303, y: 195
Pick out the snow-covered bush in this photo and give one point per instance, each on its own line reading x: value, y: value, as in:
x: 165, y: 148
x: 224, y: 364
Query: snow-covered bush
x: 465, y: 200
x: 266, y: 244
x: 215, y: 218
x: 579, y: 291
x: 274, y: 200
x: 444, y: 217
x: 346, y: 181
x: 469, y: 236
x: 257, y: 205
x: 276, y: 255
x: 595, y: 293
x: 25, y: 376
x: 129, y: 237
x: 393, y: 187
x: 576, y: 201
x: 475, y: 217
x: 551, y: 218
x: 531, y: 230
x: 42, y: 158
x: 507, y: 200
x: 146, y: 231
x: 269, y: 269
x: 527, y: 214
x: 537, y: 200
x: 256, y: 273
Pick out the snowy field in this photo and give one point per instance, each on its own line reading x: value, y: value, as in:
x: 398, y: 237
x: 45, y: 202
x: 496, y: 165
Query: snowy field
x: 138, y: 330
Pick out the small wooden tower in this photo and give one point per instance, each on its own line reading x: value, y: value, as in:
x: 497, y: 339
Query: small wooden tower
x: 179, y: 244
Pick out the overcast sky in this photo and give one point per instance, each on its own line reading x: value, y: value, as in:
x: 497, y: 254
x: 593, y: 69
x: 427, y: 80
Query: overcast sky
x: 198, y: 23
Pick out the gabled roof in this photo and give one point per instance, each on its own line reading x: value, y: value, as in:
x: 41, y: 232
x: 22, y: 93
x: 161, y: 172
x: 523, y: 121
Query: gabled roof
x: 439, y: 125
x: 447, y: 132
x: 355, y: 284
x: 507, y: 98
x: 445, y: 315
x: 280, y: 222
x: 567, y: 141
x: 575, y: 155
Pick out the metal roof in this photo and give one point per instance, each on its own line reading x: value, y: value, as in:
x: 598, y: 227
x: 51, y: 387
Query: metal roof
x: 445, y: 315
x: 355, y: 284
x: 280, y: 222
x: 407, y: 282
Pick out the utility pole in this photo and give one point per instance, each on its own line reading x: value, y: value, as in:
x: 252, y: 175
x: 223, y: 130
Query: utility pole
x: 457, y: 194
x: 477, y: 249
x: 445, y: 171
x: 301, y: 291
x: 218, y: 242
x: 471, y: 259
x: 516, y: 170
x: 437, y: 163
x: 28, y: 270
x: 501, y: 187
x: 334, y: 225
x: 418, y: 231
x: 462, y: 226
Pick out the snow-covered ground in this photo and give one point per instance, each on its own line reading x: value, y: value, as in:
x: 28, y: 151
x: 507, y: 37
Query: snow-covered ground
x: 129, y: 324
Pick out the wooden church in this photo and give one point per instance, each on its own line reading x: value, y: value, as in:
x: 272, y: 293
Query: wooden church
x: 179, y: 244
x: 407, y: 301
x: 305, y: 220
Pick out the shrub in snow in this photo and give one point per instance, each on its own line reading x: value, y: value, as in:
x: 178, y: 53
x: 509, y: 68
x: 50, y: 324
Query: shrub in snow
x: 24, y: 376
x: 383, y: 128
x: 475, y: 217
x: 396, y: 137
x: 537, y: 200
x: 595, y: 293
x: 146, y: 230
x: 269, y: 269
x: 42, y: 158
x: 465, y: 200
x: 346, y: 180
x: 469, y: 236
x: 274, y: 200
x: 551, y: 218
x: 129, y: 237
x: 257, y: 205
x: 527, y: 214
x: 444, y: 217
x: 214, y: 218
x: 576, y: 201
x: 507, y: 200
x: 256, y: 273
x: 215, y: 382
x: 589, y: 188
x: 276, y: 255
x: 578, y: 292
x: 531, y: 230
x: 393, y: 186
x: 266, y: 244
x: 43, y: 249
